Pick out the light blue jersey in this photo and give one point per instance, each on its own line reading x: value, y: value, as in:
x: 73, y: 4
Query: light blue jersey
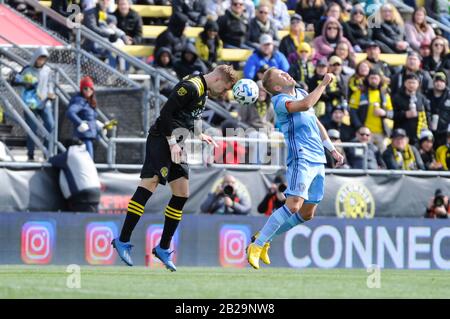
x: 305, y: 172
x: 300, y: 130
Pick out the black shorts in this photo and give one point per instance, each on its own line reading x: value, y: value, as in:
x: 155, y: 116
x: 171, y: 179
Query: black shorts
x: 159, y: 162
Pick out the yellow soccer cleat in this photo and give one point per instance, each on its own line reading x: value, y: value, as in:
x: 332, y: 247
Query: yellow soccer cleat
x: 253, y: 255
x: 265, y: 254
x: 265, y: 250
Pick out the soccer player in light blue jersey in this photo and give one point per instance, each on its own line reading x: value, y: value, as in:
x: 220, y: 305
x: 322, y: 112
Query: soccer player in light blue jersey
x: 305, y: 138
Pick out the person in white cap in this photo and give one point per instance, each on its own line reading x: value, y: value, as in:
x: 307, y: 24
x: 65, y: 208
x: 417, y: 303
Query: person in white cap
x: 266, y: 55
x: 426, y: 151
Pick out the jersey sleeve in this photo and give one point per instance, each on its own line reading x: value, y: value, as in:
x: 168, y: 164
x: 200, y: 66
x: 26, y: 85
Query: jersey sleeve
x: 280, y: 105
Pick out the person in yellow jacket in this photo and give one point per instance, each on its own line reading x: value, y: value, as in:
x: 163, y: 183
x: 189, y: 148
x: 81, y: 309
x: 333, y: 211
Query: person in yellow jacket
x: 372, y: 108
x: 443, y: 152
x: 208, y: 45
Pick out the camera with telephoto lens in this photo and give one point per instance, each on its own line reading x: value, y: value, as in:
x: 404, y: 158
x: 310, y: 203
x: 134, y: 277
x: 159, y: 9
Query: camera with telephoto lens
x: 228, y: 190
x: 438, y: 198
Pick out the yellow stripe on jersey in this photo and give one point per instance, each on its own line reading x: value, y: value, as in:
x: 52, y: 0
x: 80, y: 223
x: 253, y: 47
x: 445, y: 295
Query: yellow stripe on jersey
x: 198, y: 84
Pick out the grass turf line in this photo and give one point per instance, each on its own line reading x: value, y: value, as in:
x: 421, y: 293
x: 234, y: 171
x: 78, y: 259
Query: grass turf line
x: 214, y: 282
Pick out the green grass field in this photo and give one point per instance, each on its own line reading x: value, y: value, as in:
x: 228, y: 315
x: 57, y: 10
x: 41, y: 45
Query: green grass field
x: 213, y: 282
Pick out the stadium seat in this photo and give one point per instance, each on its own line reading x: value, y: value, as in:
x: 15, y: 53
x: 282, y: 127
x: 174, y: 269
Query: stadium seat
x: 391, y: 59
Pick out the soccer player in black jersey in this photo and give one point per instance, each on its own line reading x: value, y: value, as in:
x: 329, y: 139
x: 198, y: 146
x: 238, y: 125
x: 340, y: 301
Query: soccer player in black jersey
x: 163, y: 157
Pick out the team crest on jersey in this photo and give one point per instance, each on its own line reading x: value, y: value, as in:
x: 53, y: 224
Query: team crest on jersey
x: 354, y: 200
x: 182, y: 91
x: 164, y: 171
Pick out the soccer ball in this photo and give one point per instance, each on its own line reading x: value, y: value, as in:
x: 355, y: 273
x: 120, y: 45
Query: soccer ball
x: 245, y: 91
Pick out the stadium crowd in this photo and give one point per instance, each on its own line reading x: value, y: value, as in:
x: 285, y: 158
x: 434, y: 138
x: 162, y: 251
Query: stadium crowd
x: 401, y: 112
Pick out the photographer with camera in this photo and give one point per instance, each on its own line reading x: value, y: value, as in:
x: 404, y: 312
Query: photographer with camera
x: 438, y: 206
x: 226, y: 199
x: 275, y: 198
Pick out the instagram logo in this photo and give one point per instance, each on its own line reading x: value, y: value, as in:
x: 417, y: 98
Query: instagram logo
x: 152, y: 238
x: 98, y: 243
x: 38, y: 239
x: 233, y: 240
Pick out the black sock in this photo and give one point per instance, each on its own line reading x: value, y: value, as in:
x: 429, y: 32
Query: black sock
x: 173, y: 216
x: 134, y: 213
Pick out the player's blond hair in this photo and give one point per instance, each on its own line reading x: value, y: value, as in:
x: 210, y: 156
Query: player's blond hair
x: 267, y: 81
x: 227, y: 73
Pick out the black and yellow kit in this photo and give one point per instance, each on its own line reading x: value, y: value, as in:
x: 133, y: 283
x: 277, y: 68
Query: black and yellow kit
x: 184, y: 105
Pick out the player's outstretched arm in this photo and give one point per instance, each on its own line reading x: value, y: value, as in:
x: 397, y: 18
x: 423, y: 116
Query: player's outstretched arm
x: 312, y: 98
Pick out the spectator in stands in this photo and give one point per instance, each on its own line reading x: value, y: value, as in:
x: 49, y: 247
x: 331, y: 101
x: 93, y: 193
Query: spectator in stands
x: 425, y: 50
x: 249, y: 7
x: 290, y: 43
x: 438, y: 10
x: 335, y: 122
x: 439, y: 98
x: 357, y: 30
x: 215, y: 9
x: 261, y: 24
x: 356, y: 156
x: 333, y: 11
x: 373, y: 56
x: 164, y: 62
x: 427, y: 152
x: 233, y: 26
x: 275, y: 198
x: 319, y: 72
x: 418, y: 29
x: 83, y: 114
x: 173, y: 37
x: 335, y: 137
x: 194, y: 10
x: 342, y: 50
x: 129, y: 21
x: 91, y: 19
x: 78, y: 178
x: 400, y: 155
x: 61, y: 7
x: 390, y: 34
x: 356, y: 82
x: 189, y: 63
x: 260, y: 116
x: 229, y: 152
x: 267, y: 54
x: 412, y: 67
x: 411, y: 109
x: 332, y: 34
x: 226, y: 199
x: 208, y: 44
x: 280, y: 14
x: 336, y: 92
x: 437, y: 60
x: 443, y: 152
x: 372, y: 108
x: 310, y: 11
x: 302, y: 67
x: 438, y: 206
x: 37, y: 91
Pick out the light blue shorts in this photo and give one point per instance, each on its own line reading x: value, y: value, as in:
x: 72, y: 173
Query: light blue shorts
x: 306, y: 180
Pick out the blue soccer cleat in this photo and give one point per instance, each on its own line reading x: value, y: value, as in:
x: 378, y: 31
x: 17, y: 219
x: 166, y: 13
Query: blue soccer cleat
x: 124, y: 250
x: 165, y: 256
